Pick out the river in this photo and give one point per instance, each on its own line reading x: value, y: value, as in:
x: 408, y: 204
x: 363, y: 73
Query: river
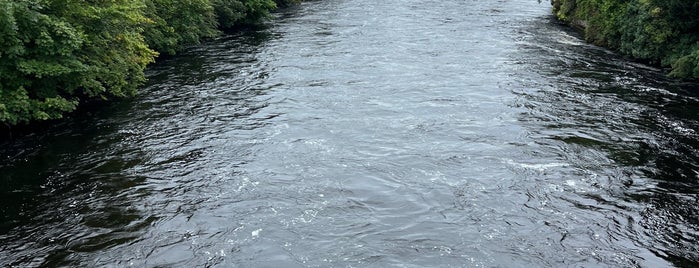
x: 370, y: 134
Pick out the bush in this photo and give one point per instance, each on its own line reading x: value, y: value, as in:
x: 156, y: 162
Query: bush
x: 53, y: 54
x: 178, y: 23
x: 660, y: 32
x: 231, y: 13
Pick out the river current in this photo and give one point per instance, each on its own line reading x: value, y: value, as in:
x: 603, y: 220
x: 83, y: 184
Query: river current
x: 370, y: 134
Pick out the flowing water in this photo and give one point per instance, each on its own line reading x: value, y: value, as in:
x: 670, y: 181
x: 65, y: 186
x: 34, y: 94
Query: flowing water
x: 370, y: 134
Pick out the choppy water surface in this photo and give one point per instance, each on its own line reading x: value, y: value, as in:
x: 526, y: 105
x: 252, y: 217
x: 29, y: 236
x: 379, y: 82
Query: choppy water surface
x: 370, y: 134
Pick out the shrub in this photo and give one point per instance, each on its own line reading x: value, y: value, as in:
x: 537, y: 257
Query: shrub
x: 55, y: 53
x: 177, y: 23
x: 660, y: 32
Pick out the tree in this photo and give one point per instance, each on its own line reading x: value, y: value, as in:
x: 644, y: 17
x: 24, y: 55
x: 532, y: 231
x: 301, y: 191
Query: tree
x: 55, y: 53
x: 174, y: 24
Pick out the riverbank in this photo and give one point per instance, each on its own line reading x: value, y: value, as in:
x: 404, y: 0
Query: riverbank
x: 369, y: 134
x: 658, y: 32
x: 57, y: 56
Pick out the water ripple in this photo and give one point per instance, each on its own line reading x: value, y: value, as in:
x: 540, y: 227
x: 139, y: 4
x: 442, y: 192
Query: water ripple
x: 371, y: 134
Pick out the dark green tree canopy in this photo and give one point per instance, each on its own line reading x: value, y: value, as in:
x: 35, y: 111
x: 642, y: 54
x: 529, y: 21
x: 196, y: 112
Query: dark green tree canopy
x: 662, y: 32
x: 55, y: 54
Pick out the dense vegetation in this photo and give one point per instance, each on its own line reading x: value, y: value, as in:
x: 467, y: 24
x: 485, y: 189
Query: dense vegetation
x: 56, y: 54
x: 660, y: 32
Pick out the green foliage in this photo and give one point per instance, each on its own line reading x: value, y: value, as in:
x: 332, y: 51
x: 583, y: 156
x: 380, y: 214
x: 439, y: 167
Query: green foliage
x: 682, y: 14
x: 286, y: 3
x: 257, y: 9
x: 644, y: 33
x: 177, y: 23
x: 231, y: 13
x: 687, y: 66
x: 115, y: 53
x: 661, y: 32
x: 603, y: 17
x: 55, y: 54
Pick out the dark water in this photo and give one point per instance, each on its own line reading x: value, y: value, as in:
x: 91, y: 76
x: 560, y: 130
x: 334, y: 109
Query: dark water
x: 370, y: 134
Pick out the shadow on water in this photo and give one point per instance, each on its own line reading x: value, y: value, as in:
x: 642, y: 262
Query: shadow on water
x: 370, y: 133
x: 598, y: 105
x: 77, y: 186
x: 67, y: 190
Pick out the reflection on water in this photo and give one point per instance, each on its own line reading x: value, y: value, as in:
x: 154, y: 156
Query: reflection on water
x: 359, y: 133
x: 642, y: 126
